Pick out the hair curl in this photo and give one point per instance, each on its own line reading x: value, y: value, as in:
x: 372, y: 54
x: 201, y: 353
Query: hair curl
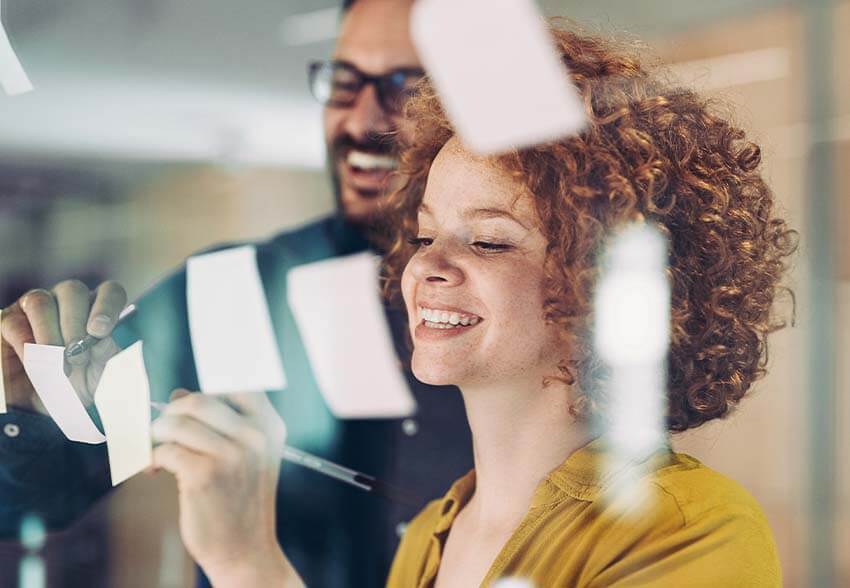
x: 654, y: 151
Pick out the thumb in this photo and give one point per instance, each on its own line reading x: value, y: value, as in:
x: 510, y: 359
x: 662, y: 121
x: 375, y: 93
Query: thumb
x: 178, y: 393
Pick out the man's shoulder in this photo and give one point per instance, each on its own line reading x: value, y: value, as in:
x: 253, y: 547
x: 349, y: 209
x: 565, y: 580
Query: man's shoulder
x: 319, y: 239
x: 317, y: 229
x: 326, y: 237
x: 303, y: 235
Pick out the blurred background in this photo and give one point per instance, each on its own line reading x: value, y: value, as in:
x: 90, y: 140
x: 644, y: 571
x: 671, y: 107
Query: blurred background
x: 158, y: 127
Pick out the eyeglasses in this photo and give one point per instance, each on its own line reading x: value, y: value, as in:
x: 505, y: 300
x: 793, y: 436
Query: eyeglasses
x: 338, y: 83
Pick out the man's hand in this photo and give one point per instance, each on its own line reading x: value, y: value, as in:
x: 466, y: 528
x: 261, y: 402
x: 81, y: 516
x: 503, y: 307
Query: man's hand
x: 226, y: 458
x: 67, y: 312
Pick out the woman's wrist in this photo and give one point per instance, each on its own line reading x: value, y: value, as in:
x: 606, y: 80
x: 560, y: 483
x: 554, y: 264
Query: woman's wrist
x: 271, y: 569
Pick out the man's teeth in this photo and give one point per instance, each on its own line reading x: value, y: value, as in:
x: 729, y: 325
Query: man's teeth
x: 371, y: 161
x: 442, y: 319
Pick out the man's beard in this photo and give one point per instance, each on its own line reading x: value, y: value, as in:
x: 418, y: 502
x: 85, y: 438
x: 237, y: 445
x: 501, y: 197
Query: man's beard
x: 337, y: 153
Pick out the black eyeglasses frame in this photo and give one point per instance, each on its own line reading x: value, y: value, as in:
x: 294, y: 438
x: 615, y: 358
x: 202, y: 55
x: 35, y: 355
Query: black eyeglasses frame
x: 380, y: 82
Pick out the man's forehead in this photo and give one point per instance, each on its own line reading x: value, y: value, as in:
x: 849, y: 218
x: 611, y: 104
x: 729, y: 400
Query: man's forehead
x: 375, y: 36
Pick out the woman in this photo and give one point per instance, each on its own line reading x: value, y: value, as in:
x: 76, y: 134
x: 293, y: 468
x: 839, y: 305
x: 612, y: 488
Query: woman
x: 497, y: 280
x: 496, y: 262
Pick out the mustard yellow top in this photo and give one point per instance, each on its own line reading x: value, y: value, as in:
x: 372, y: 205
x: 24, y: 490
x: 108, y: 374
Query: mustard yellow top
x: 702, y: 529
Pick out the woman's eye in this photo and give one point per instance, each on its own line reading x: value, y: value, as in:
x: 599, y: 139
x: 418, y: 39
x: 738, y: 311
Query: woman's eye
x: 420, y: 241
x: 491, y: 247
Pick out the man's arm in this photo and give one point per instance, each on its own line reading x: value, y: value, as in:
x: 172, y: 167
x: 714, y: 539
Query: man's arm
x: 42, y: 472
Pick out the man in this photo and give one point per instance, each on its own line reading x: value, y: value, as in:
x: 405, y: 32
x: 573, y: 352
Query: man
x: 335, y: 535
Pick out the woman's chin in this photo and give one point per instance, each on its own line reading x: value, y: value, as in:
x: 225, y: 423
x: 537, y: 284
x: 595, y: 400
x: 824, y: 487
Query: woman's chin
x: 435, y: 374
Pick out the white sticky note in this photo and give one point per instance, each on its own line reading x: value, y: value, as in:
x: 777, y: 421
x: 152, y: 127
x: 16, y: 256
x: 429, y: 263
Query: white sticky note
x: 13, y: 78
x: 44, y: 365
x: 232, y: 338
x: 2, y: 375
x: 337, y: 306
x: 123, y: 402
x: 494, y: 65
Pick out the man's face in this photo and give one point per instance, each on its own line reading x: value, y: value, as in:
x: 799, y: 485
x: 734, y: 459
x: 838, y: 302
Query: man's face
x: 361, y: 138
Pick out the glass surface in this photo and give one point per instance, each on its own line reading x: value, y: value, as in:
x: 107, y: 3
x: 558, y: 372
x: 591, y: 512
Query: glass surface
x: 159, y: 129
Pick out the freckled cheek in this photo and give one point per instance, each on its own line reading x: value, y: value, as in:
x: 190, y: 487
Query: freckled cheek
x: 516, y: 303
x: 407, y: 292
x: 522, y: 289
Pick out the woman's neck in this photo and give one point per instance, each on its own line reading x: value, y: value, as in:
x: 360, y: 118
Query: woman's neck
x: 520, y: 433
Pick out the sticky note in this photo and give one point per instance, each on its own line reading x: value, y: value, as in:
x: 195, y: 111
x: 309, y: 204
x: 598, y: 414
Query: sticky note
x: 233, y: 342
x: 123, y: 402
x: 494, y: 65
x: 337, y: 307
x: 13, y: 78
x: 45, y: 365
x: 2, y: 375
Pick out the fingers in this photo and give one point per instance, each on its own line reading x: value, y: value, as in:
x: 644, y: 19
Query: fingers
x: 108, y: 304
x: 42, y: 312
x: 72, y: 301
x: 190, y: 433
x: 216, y: 414
x: 62, y: 315
x: 180, y: 460
x: 15, y: 329
x: 179, y: 393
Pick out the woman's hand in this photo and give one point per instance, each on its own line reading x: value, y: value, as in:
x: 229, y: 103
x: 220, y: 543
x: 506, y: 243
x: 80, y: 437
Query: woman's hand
x: 226, y: 458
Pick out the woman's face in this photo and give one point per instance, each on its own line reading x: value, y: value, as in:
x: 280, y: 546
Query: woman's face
x: 473, y: 289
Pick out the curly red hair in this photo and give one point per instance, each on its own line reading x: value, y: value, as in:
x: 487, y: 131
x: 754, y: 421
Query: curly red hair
x: 653, y: 151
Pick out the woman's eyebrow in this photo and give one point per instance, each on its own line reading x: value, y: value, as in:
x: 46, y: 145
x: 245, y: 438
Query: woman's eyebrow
x: 493, y: 213
x: 480, y: 213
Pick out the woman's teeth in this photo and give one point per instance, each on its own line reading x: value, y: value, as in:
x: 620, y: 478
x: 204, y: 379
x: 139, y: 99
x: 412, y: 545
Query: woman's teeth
x: 442, y: 319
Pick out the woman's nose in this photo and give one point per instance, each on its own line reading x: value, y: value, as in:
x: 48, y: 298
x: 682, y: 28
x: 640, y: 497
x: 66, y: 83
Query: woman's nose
x: 437, y: 265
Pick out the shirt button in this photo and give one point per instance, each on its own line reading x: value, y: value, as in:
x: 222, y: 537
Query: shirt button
x: 410, y: 427
x: 11, y: 430
x: 400, y: 529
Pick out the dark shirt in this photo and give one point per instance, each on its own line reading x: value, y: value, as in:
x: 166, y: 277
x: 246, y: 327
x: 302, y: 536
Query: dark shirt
x: 334, y: 534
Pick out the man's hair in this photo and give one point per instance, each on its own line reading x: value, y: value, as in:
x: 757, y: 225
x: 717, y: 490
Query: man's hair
x: 655, y: 152
x: 346, y: 4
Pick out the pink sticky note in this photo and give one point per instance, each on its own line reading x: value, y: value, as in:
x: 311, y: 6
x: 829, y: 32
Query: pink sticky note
x: 496, y: 70
x: 337, y: 305
x: 231, y: 327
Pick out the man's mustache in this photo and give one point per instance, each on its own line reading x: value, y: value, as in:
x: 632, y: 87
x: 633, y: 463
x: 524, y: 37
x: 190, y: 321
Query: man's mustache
x: 378, y: 144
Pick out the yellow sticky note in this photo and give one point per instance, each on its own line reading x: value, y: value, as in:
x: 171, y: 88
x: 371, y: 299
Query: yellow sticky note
x: 2, y: 376
x: 123, y: 402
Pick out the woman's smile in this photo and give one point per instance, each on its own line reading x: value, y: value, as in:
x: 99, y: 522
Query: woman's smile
x: 439, y: 322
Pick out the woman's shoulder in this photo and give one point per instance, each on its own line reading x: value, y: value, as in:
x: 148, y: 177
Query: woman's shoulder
x: 695, y: 527
x: 703, y: 528
x: 697, y: 492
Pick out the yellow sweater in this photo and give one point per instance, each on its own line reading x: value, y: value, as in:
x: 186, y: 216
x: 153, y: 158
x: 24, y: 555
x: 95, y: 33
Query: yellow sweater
x: 702, y: 529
